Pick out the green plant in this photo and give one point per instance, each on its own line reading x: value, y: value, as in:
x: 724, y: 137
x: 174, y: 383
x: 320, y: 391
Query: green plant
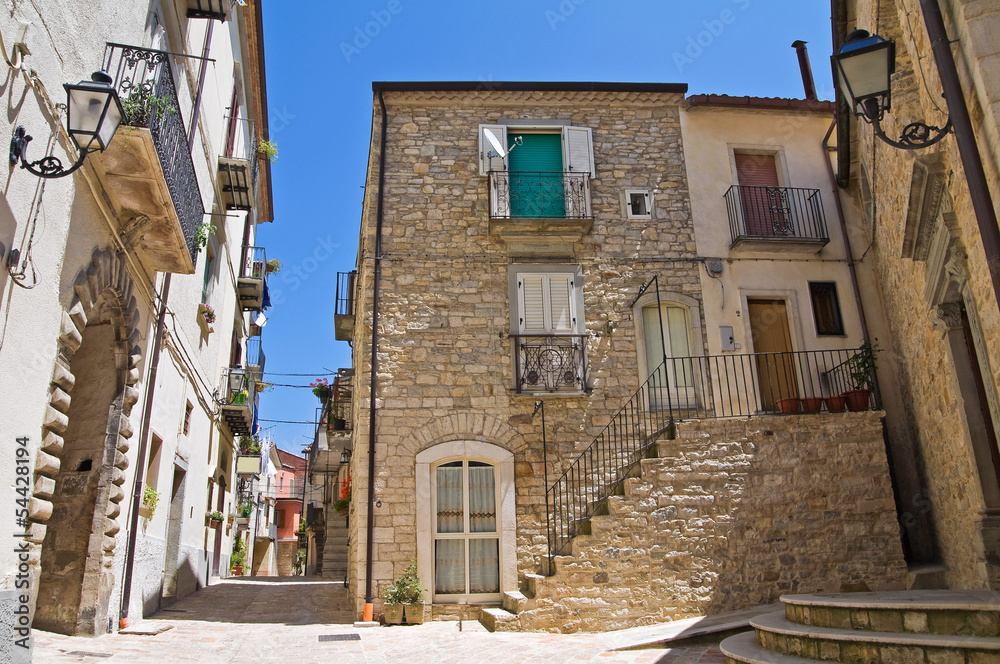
x: 216, y: 516
x: 240, y: 397
x: 861, y: 366
x: 321, y: 389
x: 269, y: 149
x: 249, y: 444
x: 405, y: 589
x: 208, y: 313
x: 239, y: 555
x: 273, y: 266
x: 300, y: 561
x: 142, y: 108
x: 202, y: 234
x: 149, y: 499
x: 244, y: 509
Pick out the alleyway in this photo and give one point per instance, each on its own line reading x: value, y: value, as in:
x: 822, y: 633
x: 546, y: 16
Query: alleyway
x: 283, y: 620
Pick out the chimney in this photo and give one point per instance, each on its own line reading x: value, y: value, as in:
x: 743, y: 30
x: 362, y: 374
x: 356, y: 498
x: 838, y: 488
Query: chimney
x: 807, y: 76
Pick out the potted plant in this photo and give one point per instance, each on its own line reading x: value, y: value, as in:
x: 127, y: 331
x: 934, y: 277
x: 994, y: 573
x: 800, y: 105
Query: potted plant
x: 788, y: 405
x: 243, y: 512
x: 812, y: 404
x: 215, y: 518
x: 237, y: 558
x: 344, y: 504
x: 404, y: 598
x: 861, y: 369
x: 240, y: 398
x: 202, y: 234
x: 273, y: 266
x: 321, y: 389
x: 208, y: 313
x: 149, y: 500
x: 268, y: 150
x: 836, y: 403
x: 338, y: 416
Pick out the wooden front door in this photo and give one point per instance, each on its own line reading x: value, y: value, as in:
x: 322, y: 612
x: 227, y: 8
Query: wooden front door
x: 772, y: 345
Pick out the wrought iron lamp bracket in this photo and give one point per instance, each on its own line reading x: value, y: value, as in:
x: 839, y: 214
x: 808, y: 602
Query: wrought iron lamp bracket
x: 46, y: 167
x: 915, y: 136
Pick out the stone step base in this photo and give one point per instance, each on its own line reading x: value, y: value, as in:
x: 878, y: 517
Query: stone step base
x: 516, y: 602
x: 499, y: 620
x: 777, y: 634
x: 744, y: 649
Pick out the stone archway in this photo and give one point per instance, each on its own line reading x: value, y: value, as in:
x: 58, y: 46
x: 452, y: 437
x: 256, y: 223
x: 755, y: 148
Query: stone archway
x: 79, y: 469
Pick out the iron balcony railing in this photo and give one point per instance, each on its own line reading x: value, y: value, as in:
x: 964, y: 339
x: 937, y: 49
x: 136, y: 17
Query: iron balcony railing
x: 254, y: 263
x: 539, y: 195
x: 776, y: 213
x: 550, y: 363
x: 346, y: 293
x: 144, y: 80
x: 239, y: 167
x: 255, y: 356
x: 717, y: 386
x: 238, y: 388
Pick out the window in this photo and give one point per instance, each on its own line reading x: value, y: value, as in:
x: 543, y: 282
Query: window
x: 210, y: 276
x: 637, y: 203
x: 279, y: 518
x: 826, y: 308
x: 547, y: 329
x: 186, y: 428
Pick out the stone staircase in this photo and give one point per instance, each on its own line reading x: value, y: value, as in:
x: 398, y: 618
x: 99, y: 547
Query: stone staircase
x: 910, y: 627
x: 335, y: 548
x: 731, y: 514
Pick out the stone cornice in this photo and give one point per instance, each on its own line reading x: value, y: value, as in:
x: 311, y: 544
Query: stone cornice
x: 519, y: 98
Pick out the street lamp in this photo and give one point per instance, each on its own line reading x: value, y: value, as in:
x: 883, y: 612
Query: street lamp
x: 93, y: 114
x: 345, y: 456
x: 863, y: 69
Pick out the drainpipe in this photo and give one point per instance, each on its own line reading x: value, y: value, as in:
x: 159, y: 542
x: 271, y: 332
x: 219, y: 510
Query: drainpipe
x: 965, y: 137
x: 376, y: 282
x: 805, y: 69
x: 838, y: 11
x: 835, y: 191
x: 140, y: 464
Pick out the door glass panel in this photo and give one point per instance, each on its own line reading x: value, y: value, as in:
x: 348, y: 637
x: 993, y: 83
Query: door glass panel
x: 484, y: 565
x: 482, y: 498
x: 449, y: 498
x: 449, y: 566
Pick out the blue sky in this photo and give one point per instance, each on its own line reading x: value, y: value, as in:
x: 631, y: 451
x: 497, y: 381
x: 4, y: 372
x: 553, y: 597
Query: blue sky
x: 322, y: 57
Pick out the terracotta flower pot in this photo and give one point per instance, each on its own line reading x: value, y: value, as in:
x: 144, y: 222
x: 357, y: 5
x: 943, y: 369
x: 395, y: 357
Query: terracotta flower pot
x: 836, y: 404
x: 812, y: 404
x: 857, y: 400
x: 789, y: 406
x: 393, y: 614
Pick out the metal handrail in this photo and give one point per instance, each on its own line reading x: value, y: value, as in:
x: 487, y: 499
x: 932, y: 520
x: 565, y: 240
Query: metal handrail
x: 255, y: 264
x: 775, y: 213
x: 539, y: 195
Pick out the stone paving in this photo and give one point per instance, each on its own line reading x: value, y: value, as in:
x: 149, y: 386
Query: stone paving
x: 281, y: 620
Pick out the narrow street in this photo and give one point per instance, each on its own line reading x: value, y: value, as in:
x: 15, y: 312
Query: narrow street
x: 284, y: 619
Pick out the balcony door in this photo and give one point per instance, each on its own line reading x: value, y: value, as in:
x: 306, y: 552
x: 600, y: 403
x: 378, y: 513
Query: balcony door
x: 772, y: 345
x: 536, y: 177
x: 761, y: 197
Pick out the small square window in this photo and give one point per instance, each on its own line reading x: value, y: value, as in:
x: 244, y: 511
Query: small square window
x: 637, y: 203
x: 826, y: 308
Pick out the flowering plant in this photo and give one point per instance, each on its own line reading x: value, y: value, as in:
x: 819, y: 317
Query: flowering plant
x: 209, y: 314
x: 345, y: 495
x: 320, y: 388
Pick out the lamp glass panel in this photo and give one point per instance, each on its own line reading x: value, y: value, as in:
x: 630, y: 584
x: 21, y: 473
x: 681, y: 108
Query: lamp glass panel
x: 112, y: 119
x: 86, y: 108
x: 866, y: 74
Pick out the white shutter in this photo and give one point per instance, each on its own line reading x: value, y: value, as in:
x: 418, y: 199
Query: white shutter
x: 531, y: 303
x: 578, y: 150
x: 497, y: 163
x: 561, y: 304
x: 546, y: 304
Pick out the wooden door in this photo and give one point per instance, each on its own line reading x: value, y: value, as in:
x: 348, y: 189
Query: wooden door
x: 772, y: 345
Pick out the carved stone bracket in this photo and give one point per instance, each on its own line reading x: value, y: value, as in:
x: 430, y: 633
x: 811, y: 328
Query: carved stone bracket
x: 947, y: 316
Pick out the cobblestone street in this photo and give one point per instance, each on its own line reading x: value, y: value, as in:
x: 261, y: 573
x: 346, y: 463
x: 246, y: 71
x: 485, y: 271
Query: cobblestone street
x: 283, y: 620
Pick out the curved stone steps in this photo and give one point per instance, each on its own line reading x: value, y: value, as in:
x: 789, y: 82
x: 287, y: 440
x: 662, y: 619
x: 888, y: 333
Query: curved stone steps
x: 743, y: 648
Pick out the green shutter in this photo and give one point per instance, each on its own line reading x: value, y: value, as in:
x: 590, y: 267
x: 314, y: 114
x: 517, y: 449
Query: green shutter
x: 536, y: 180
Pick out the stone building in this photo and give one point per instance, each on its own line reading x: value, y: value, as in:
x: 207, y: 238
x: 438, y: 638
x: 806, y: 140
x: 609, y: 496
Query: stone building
x: 128, y: 367
x: 543, y: 322
x: 925, y: 253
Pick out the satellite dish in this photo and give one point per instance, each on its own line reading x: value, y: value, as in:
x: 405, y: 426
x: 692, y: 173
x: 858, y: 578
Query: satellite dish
x: 261, y: 320
x: 495, y: 142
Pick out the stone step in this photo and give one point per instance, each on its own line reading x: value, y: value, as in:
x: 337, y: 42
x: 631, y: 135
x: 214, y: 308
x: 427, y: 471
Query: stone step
x: 515, y: 602
x: 535, y: 584
x: 928, y: 577
x: 777, y: 634
x: 744, y: 649
x: 941, y: 612
x: 499, y: 620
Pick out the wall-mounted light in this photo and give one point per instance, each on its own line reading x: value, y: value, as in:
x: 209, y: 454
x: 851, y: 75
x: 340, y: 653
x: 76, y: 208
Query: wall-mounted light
x: 345, y: 456
x: 93, y: 114
x: 863, y: 69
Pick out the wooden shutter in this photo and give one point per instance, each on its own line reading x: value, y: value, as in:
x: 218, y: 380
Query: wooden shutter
x: 756, y: 170
x: 486, y: 164
x: 546, y: 304
x: 578, y: 150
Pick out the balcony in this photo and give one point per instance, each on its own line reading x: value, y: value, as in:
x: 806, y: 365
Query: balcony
x: 220, y: 10
x: 341, y: 394
x: 776, y: 219
x: 343, y: 317
x: 148, y: 173
x: 255, y: 357
x: 239, y: 168
x: 252, y: 282
x: 237, y: 398
x: 550, y: 363
x: 540, y: 213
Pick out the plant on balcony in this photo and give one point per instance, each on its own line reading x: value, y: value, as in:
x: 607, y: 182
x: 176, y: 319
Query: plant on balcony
x: 208, y: 313
x: 202, y: 234
x: 149, y: 500
x: 142, y: 107
x: 264, y: 386
x: 273, y: 266
x: 344, y: 503
x: 244, y: 509
x: 249, y: 445
x: 240, y: 397
x: 338, y: 415
x: 268, y: 149
x: 861, y: 369
x: 215, y: 518
x: 321, y: 389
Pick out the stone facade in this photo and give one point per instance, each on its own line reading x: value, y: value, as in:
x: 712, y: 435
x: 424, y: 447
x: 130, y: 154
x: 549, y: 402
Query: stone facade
x: 926, y: 266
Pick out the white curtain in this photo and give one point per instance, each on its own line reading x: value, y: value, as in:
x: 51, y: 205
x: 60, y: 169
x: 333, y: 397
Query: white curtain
x: 482, y: 499
x: 484, y: 566
x: 449, y: 499
x: 449, y: 566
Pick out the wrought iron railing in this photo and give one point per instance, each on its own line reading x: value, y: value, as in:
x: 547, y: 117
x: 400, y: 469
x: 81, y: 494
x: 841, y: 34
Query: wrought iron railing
x: 144, y: 80
x: 239, y: 167
x: 255, y: 356
x: 346, y: 293
x: 238, y: 388
x: 717, y: 386
x: 776, y: 213
x: 550, y: 363
x: 254, y: 263
x: 539, y: 195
